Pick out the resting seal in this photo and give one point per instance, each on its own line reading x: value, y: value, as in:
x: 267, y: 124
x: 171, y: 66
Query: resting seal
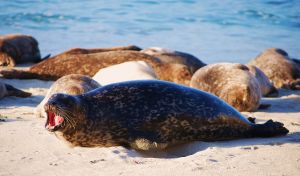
x: 132, y: 70
x: 177, y: 57
x: 98, y: 50
x: 89, y: 64
x: 17, y: 48
x: 231, y: 82
x: 148, y: 115
x: 73, y: 84
x: 266, y: 87
x: 280, y: 69
x: 8, y: 90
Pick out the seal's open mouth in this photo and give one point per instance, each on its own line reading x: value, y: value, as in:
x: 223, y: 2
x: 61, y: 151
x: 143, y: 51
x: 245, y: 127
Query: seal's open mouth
x: 53, y: 121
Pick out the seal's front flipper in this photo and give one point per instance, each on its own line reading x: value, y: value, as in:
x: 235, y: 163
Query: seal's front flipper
x: 16, y: 92
x: 269, y: 129
x: 273, y: 92
x: 264, y: 106
x: 145, y: 144
x: 295, y: 85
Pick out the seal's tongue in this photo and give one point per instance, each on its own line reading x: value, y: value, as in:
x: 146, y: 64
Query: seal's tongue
x: 54, y: 119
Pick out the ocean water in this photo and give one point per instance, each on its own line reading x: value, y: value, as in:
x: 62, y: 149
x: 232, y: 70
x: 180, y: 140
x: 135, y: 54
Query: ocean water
x: 212, y: 30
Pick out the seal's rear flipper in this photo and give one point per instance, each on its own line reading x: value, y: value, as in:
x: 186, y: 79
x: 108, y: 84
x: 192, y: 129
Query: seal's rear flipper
x: 16, y: 92
x: 264, y: 106
x: 295, y: 85
x: 269, y: 129
x: 18, y: 74
x: 46, y: 57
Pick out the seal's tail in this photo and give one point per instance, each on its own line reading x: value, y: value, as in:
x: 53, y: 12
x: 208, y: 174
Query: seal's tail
x: 18, y: 74
x: 269, y: 129
x: 12, y: 91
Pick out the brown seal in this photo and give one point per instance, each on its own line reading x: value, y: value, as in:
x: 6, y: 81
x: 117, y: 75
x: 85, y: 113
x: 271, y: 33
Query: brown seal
x: 17, y: 48
x: 148, y: 115
x: 177, y: 57
x: 8, y: 90
x: 89, y: 64
x: 279, y: 67
x: 73, y: 84
x: 98, y: 50
x: 266, y: 87
x: 230, y: 81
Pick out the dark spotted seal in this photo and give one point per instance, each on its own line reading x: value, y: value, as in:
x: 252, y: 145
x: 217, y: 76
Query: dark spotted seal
x: 73, y: 84
x: 266, y: 87
x: 279, y: 67
x: 8, y: 90
x: 89, y: 64
x: 230, y: 81
x: 17, y: 48
x: 148, y: 115
x: 177, y: 57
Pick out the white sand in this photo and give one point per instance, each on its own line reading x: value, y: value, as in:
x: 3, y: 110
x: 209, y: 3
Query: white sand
x: 26, y: 148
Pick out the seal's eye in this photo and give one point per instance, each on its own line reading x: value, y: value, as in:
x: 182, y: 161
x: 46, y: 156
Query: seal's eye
x: 53, y: 121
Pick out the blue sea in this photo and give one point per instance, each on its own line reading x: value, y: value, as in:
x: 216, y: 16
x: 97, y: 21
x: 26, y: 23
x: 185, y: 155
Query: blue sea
x: 212, y: 30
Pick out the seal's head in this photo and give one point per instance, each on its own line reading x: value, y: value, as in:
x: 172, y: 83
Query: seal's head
x: 6, y: 59
x: 61, y: 109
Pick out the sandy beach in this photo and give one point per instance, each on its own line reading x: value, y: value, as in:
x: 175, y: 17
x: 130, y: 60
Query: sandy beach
x: 26, y: 148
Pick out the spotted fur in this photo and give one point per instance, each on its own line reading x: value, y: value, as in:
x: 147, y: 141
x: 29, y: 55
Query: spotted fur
x: 231, y: 82
x: 150, y: 115
x: 279, y: 68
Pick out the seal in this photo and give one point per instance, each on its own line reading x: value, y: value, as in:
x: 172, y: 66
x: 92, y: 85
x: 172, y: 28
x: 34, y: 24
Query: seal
x: 178, y: 57
x: 89, y: 64
x: 98, y: 50
x: 73, y: 84
x: 132, y: 70
x: 231, y: 82
x: 282, y: 71
x: 148, y: 115
x: 18, y: 48
x: 266, y: 87
x: 9, y: 90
